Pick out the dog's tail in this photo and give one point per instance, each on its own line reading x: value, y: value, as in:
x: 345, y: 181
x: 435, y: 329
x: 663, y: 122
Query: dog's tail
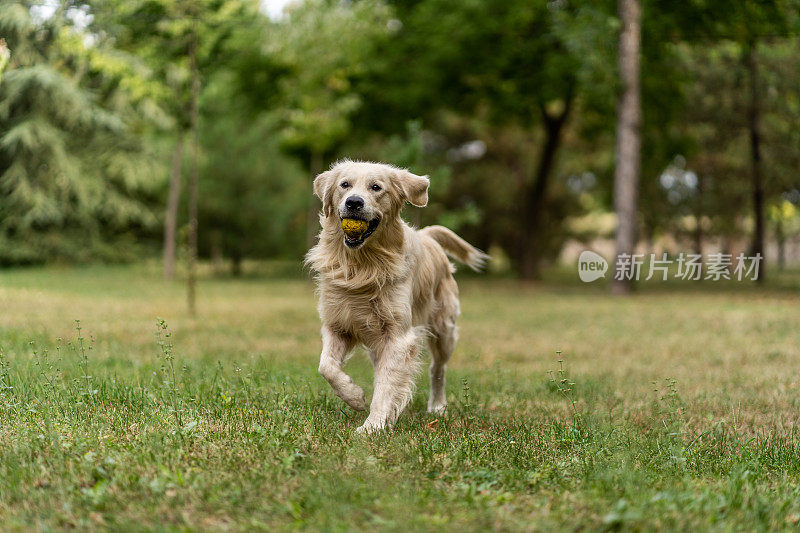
x: 456, y: 247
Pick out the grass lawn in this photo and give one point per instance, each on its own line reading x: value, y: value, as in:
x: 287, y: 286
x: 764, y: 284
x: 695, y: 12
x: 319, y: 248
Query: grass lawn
x: 677, y: 408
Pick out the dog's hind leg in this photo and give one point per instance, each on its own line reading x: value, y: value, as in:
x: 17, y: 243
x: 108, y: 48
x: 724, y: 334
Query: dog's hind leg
x: 335, y: 348
x: 442, y: 342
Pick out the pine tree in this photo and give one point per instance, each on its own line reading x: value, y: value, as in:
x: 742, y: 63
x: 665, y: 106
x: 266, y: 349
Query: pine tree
x: 72, y: 172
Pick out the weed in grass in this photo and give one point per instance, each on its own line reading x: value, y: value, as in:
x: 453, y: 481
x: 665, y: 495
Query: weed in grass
x: 669, y: 408
x: 48, y: 373
x: 6, y: 387
x: 466, y: 405
x: 83, y: 360
x: 566, y: 388
x: 168, y: 377
x: 5, y: 376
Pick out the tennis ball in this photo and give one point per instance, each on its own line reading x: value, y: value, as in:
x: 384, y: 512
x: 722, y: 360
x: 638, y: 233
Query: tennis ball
x: 353, y: 226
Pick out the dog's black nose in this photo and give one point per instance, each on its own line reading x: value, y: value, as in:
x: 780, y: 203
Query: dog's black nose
x: 354, y: 202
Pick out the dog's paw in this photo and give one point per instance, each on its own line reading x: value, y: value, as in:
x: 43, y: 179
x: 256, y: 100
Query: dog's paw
x: 356, y: 399
x: 437, y: 409
x: 370, y: 427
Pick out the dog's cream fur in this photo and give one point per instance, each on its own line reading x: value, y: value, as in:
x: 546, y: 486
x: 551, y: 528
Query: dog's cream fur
x: 390, y: 293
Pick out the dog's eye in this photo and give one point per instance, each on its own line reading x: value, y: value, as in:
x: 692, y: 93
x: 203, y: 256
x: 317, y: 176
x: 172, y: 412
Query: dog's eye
x: 345, y: 185
x: 375, y: 187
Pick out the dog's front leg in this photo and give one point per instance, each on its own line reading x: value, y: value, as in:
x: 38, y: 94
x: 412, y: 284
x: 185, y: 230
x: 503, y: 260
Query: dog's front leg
x: 396, y: 363
x: 334, y: 350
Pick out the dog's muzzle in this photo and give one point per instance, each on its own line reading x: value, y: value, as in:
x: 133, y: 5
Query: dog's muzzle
x: 357, y: 230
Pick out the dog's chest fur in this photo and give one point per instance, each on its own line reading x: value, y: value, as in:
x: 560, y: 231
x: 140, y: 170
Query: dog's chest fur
x: 381, y: 292
x: 368, y: 316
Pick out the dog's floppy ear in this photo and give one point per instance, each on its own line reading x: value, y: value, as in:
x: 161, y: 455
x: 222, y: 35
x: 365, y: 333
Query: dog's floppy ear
x: 322, y: 188
x: 415, y: 188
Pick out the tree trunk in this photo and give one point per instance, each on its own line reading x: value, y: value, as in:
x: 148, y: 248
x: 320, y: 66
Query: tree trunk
x: 757, y: 182
x: 626, y: 174
x: 531, y: 249
x: 191, y: 284
x: 698, y: 230
x: 173, y: 203
x: 698, y: 237
x: 312, y: 222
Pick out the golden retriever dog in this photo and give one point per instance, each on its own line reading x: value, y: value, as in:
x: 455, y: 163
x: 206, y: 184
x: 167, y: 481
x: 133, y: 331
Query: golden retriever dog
x: 384, y: 285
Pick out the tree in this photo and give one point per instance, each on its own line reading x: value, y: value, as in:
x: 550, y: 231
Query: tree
x: 178, y: 42
x: 173, y: 205
x: 739, y: 116
x: 74, y: 177
x: 324, y: 45
x: 158, y: 33
x: 626, y: 176
x: 746, y: 24
x: 194, y: 173
x: 181, y: 40
x: 253, y: 197
x: 516, y: 66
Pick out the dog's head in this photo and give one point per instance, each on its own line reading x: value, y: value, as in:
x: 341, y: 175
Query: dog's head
x: 358, y: 197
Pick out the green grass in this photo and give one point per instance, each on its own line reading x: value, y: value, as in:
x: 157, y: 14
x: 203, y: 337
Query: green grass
x: 675, y: 409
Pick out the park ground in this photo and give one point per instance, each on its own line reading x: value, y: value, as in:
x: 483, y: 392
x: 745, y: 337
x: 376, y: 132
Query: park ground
x: 570, y: 409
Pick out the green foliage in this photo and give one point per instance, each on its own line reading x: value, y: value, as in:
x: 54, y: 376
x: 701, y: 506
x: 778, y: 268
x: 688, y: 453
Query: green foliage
x: 324, y: 45
x: 253, y: 196
x: 467, y: 92
x: 239, y: 181
x: 72, y: 174
x: 498, y: 74
x: 250, y: 194
x: 716, y: 147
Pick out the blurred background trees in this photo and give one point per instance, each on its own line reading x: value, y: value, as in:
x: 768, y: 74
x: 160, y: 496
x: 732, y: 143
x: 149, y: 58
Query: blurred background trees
x: 509, y: 105
x: 76, y: 173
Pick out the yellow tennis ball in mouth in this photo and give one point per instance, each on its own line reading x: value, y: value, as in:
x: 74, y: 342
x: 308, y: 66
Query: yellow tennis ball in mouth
x: 353, y: 226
